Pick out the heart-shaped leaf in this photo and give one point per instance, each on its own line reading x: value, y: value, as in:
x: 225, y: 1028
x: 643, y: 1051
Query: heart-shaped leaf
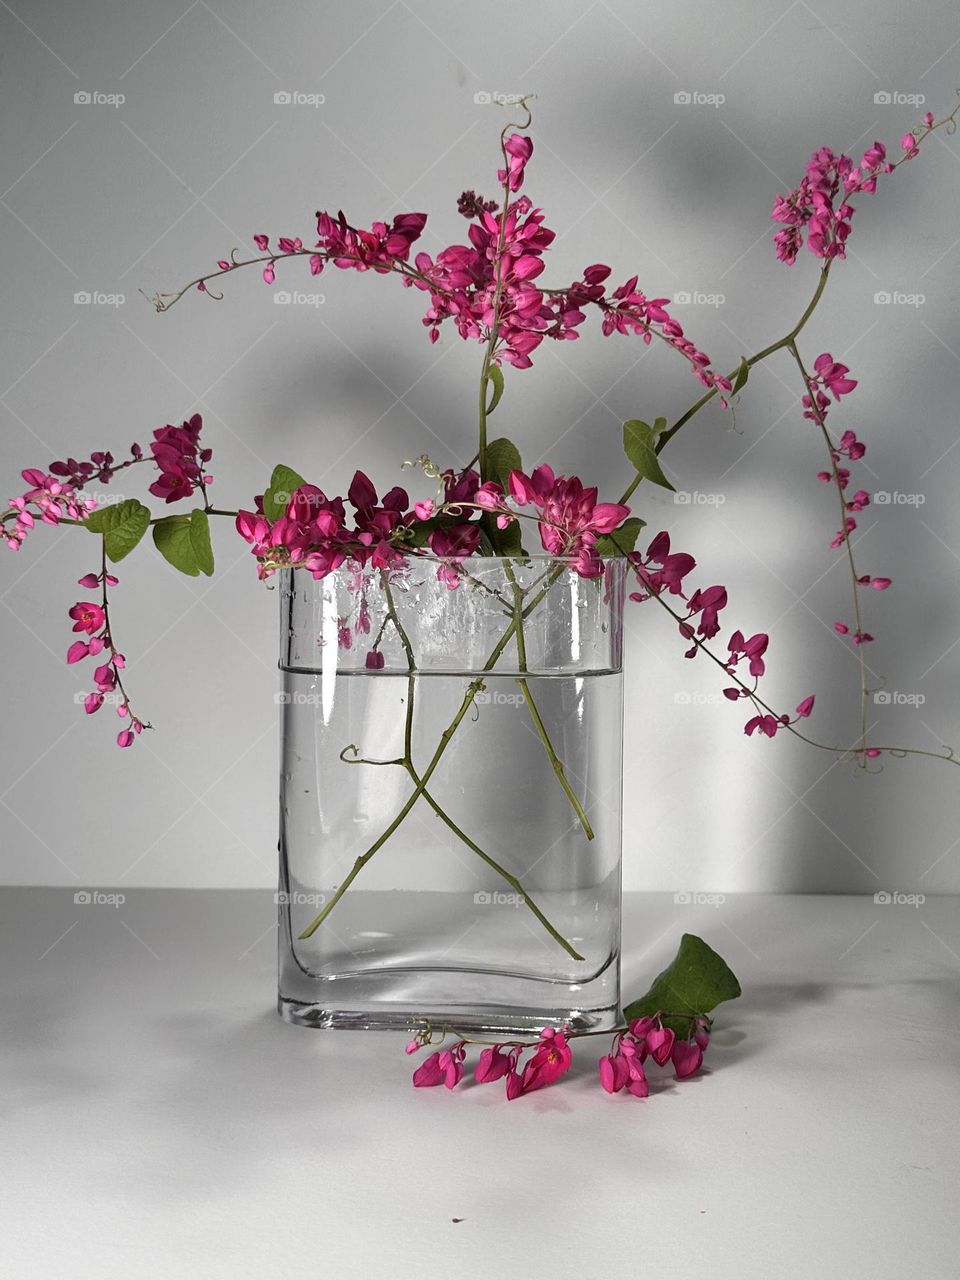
x: 184, y: 542
x: 503, y: 456
x: 696, y: 981
x: 283, y: 484
x: 122, y: 526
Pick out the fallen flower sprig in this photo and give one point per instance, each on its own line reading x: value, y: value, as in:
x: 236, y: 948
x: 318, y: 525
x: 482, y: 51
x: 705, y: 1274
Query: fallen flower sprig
x: 551, y: 1057
x: 698, y: 980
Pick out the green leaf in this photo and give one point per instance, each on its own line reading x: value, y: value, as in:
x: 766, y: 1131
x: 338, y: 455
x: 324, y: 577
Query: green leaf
x: 503, y: 456
x: 659, y: 426
x: 743, y: 373
x: 638, y: 444
x: 122, y: 526
x: 510, y: 540
x: 623, y: 540
x: 184, y: 542
x: 283, y: 484
x: 494, y: 379
x: 696, y: 981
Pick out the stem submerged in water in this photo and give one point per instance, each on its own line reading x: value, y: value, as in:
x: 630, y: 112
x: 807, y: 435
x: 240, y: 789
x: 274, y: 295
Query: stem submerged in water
x: 420, y: 782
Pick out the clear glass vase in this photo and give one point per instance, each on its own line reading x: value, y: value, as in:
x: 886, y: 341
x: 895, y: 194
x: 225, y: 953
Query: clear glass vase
x: 450, y: 796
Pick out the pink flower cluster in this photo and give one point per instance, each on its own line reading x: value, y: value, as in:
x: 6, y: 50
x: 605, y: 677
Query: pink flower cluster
x: 662, y: 570
x: 820, y: 204
x: 49, y: 499
x: 571, y: 518
x: 100, y: 469
x: 92, y: 620
x: 830, y: 376
x: 549, y: 1060
x: 314, y: 532
x: 55, y: 494
x: 628, y: 310
x: 487, y: 288
x: 622, y: 1068
x: 550, y: 1057
x: 180, y: 460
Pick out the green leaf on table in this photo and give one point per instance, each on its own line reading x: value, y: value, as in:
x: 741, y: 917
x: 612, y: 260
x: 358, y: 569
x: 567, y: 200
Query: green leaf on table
x: 623, y: 540
x: 494, y: 379
x: 283, y: 484
x: 639, y: 440
x: 695, y: 981
x: 743, y: 373
x: 503, y: 456
x: 122, y: 526
x: 184, y: 542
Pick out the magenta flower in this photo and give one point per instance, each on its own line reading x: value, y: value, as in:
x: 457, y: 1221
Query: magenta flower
x: 549, y: 1061
x: 623, y: 1068
x: 834, y: 375
x: 494, y: 1064
x: 687, y: 1057
x: 571, y: 518
x: 659, y: 1043
x: 518, y: 151
x: 87, y: 617
x: 444, y: 1068
x: 181, y: 461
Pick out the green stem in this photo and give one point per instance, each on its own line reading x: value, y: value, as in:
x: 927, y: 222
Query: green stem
x: 779, y: 345
x: 473, y: 689
x: 541, y: 729
x: 420, y: 788
x: 818, y: 415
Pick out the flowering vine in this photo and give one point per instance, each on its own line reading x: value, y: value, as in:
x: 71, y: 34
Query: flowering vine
x: 491, y: 290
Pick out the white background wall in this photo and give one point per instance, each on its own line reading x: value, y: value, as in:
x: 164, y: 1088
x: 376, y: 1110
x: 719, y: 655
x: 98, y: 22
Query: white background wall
x: 199, y: 157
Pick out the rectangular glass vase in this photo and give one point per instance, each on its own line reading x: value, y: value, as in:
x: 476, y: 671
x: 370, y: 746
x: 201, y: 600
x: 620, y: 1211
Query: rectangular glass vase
x: 450, y: 795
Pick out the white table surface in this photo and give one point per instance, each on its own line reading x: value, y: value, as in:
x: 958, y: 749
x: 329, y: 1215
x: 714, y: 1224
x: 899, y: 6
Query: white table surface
x: 159, y: 1120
